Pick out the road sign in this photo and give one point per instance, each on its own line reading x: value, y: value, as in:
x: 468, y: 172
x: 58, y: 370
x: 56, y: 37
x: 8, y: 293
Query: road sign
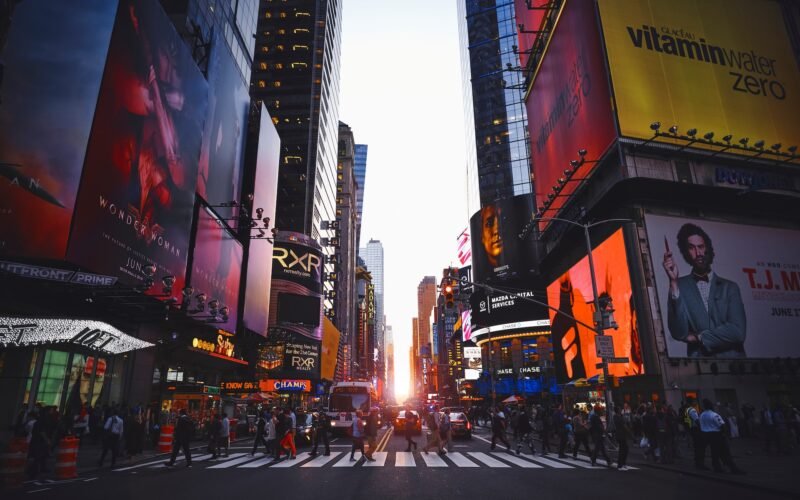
x: 617, y: 360
x: 604, y: 345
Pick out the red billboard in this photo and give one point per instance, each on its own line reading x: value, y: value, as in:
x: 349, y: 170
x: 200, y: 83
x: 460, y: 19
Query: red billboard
x: 48, y: 101
x: 217, y: 266
x: 569, y: 106
x: 529, y: 15
x: 259, y: 260
x: 574, y: 348
x: 137, y: 194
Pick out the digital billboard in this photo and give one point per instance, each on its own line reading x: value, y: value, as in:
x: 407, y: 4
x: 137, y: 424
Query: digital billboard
x: 217, y: 265
x: 509, y: 311
x: 498, y: 254
x: 722, y: 66
x: 529, y: 16
x: 137, y: 192
x: 726, y: 290
x: 220, y: 171
x: 265, y: 195
x: 569, y: 103
x: 574, y: 349
x: 48, y: 101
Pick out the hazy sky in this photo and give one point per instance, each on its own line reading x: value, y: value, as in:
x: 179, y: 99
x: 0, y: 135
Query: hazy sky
x: 401, y: 94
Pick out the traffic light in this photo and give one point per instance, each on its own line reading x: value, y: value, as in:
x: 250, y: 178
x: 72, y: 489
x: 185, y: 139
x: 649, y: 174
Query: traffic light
x: 606, y: 313
x: 449, y: 297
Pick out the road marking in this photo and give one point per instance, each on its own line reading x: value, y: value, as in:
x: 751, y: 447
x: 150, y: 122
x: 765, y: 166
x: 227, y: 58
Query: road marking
x: 291, y: 463
x: 547, y: 461
x: 346, y: 462
x: 584, y: 458
x: 525, y: 464
x: 200, y: 458
x: 380, y: 459
x: 433, y: 460
x: 42, y: 489
x: 486, y: 459
x: 322, y: 460
x: 404, y: 459
x: 460, y: 460
x: 258, y: 463
x: 242, y: 458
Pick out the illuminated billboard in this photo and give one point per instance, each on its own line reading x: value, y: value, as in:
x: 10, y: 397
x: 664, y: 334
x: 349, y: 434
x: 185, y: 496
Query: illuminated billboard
x: 48, y: 102
x: 137, y: 193
x: 497, y: 251
x: 509, y: 311
x: 722, y: 66
x: 574, y: 349
x: 217, y: 265
x: 751, y: 307
x: 569, y: 103
x: 529, y: 15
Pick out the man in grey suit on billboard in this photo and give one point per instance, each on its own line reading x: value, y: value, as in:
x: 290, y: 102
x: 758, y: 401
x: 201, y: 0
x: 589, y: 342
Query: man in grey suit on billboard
x: 705, y: 310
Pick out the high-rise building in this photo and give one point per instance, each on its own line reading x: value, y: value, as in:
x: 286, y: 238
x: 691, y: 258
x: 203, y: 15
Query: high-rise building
x: 426, y: 300
x: 360, y: 168
x: 415, y: 378
x: 389, y: 355
x: 373, y: 256
x: 498, y: 122
x: 471, y: 154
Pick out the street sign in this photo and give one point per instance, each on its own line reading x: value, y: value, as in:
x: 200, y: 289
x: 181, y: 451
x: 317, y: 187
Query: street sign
x: 617, y: 360
x: 604, y: 345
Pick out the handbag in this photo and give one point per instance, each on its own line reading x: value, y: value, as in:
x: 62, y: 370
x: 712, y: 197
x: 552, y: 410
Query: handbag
x: 644, y: 443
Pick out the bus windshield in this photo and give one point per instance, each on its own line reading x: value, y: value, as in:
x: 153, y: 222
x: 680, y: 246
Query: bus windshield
x: 349, y: 402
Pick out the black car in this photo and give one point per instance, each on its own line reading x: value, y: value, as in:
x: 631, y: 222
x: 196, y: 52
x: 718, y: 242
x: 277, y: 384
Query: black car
x: 460, y: 425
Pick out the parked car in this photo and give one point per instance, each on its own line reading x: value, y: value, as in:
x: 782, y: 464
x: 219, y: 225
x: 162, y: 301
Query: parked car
x: 460, y: 425
x: 400, y: 422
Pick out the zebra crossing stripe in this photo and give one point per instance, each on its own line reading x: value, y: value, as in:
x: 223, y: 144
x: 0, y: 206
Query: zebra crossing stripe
x: 291, y: 463
x: 546, y: 461
x: 322, y: 460
x: 460, y: 460
x: 584, y: 458
x: 258, y: 463
x: 433, y: 460
x: 404, y: 459
x: 525, y: 464
x: 346, y: 462
x: 487, y: 460
x: 234, y: 460
x: 380, y: 459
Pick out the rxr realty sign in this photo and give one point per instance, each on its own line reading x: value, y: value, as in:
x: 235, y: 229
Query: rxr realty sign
x: 303, y: 357
x: 95, y: 335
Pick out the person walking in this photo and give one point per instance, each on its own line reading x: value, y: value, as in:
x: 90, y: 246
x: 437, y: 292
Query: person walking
x: 434, y: 437
x: 225, y: 433
x: 38, y: 444
x: 596, y: 431
x: 261, y: 433
x: 184, y: 429
x: 711, y: 424
x: 499, y: 429
x: 622, y: 432
x: 446, y: 431
x: 214, y: 431
x: 287, y: 427
x: 581, y: 430
x: 272, y: 432
x: 545, y: 423
x: 411, y: 425
x: 692, y: 421
x: 113, y: 433
x: 357, y: 430
x: 560, y: 426
x: 371, y: 430
x: 320, y: 423
x: 525, y: 432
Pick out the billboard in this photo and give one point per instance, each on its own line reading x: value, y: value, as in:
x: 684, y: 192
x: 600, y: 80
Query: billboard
x: 288, y: 355
x: 217, y: 265
x: 48, y: 102
x: 220, y: 172
x: 569, y: 103
x: 529, y: 15
x: 507, y: 311
x: 259, y: 261
x: 330, y: 349
x: 137, y: 193
x: 721, y: 295
x: 574, y: 349
x: 472, y: 363
x: 722, y: 66
x: 497, y: 251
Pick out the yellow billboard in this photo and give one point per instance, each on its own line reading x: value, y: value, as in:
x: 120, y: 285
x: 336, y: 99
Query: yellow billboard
x: 722, y: 66
x: 330, y: 349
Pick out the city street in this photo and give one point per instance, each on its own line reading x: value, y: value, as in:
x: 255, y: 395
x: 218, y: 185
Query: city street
x: 470, y: 470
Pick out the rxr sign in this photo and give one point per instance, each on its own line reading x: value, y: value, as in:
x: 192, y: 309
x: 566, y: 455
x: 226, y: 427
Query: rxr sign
x: 301, y: 363
x: 306, y: 262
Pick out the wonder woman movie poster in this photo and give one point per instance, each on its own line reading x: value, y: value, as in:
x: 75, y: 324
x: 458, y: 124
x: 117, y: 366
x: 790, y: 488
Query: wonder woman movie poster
x: 574, y: 348
x: 137, y: 194
x: 52, y: 56
x: 217, y: 267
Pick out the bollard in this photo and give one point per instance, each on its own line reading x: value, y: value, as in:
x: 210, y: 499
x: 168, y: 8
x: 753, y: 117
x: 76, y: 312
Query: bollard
x: 67, y: 458
x: 13, y: 462
x: 165, y: 439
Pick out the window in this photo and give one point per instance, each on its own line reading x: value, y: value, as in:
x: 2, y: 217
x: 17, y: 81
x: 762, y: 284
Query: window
x: 505, y: 354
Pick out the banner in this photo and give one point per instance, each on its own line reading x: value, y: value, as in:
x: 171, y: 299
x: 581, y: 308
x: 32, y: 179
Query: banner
x: 722, y: 66
x: 574, y: 349
x: 750, y: 304
x: 330, y: 349
x: 48, y: 101
x: 137, y: 194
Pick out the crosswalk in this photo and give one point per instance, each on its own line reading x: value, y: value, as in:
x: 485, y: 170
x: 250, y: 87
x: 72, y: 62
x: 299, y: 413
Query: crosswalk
x: 383, y: 459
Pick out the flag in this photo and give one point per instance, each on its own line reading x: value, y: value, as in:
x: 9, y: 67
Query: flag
x: 464, y: 248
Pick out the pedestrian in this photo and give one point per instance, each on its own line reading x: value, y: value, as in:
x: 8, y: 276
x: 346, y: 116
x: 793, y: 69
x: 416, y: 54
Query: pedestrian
x: 287, y: 441
x: 434, y: 437
x: 214, y: 432
x: 113, y: 433
x: 581, y: 429
x: 272, y: 432
x: 371, y: 431
x: 184, y: 429
x: 622, y: 432
x: 499, y: 429
x: 357, y: 431
x: 692, y: 422
x: 711, y: 424
x: 596, y: 432
x: 525, y: 432
x: 446, y: 431
x: 560, y: 426
x: 225, y: 433
x: 544, y: 420
x: 261, y: 433
x: 81, y: 425
x: 38, y: 444
x: 650, y: 431
x: 411, y: 426
x: 770, y: 434
x: 320, y: 423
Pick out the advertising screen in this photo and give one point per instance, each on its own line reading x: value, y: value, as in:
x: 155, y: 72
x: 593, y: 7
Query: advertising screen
x: 508, y: 311
x: 259, y: 262
x: 722, y: 66
x: 330, y: 349
x: 137, y: 193
x: 569, y: 105
x: 472, y: 363
x: 220, y: 171
x: 497, y: 251
x: 217, y: 265
x: 48, y: 102
x: 574, y: 349
x: 722, y: 295
x: 529, y: 15
x: 289, y: 355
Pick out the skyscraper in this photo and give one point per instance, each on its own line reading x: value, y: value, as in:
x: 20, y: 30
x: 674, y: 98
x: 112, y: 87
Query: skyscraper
x: 360, y: 168
x: 373, y: 257
x: 426, y: 300
x: 491, y: 74
x: 388, y: 338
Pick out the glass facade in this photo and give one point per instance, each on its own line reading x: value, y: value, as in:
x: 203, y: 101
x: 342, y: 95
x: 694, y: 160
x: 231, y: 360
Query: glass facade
x: 500, y: 120
x: 373, y: 257
x: 473, y: 193
x: 360, y: 171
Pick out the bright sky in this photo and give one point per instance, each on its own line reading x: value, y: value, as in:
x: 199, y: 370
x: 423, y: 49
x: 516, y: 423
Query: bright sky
x: 401, y: 94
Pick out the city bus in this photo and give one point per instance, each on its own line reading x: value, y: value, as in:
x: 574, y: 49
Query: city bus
x: 347, y: 397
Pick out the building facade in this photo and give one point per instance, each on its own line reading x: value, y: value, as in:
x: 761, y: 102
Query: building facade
x: 372, y: 254
x: 360, y: 167
x: 426, y: 301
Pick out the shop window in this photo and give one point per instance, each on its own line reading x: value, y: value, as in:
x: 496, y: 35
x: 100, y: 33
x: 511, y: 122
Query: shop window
x: 51, y: 383
x: 174, y: 375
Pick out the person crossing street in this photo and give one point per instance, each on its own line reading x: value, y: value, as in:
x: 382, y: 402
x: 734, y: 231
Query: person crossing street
x: 524, y: 432
x: 597, y: 431
x: 411, y: 426
x: 183, y: 434
x: 371, y: 430
x: 321, y: 422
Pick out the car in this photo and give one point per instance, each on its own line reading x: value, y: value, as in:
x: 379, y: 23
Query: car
x: 304, y: 429
x: 400, y: 422
x: 460, y: 425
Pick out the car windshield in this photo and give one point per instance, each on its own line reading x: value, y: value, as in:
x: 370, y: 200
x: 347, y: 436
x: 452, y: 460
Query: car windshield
x: 349, y: 402
x: 458, y: 416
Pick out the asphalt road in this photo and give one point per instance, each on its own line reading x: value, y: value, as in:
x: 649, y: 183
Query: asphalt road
x: 469, y: 471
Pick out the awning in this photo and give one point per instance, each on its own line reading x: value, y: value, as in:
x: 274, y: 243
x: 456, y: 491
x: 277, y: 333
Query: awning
x: 95, y: 335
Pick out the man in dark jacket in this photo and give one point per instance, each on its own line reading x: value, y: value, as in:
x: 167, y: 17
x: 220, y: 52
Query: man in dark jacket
x: 183, y: 434
x: 321, y: 422
x: 560, y: 425
x: 596, y: 431
x: 214, y: 432
x: 261, y: 425
x: 623, y: 434
x: 372, y: 433
x: 411, y: 419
